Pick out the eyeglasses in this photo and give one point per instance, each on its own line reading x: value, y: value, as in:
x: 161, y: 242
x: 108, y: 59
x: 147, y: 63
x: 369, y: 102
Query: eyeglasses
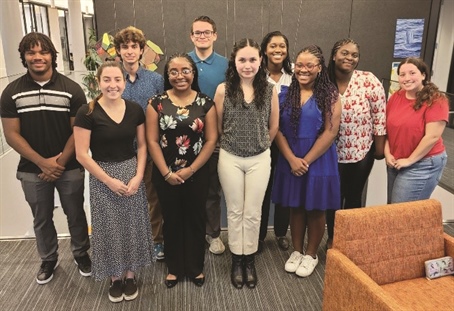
x: 184, y: 72
x: 206, y: 33
x: 308, y: 66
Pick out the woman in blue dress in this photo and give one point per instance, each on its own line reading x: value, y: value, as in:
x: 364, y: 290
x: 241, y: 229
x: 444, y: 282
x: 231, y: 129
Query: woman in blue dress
x: 307, y: 178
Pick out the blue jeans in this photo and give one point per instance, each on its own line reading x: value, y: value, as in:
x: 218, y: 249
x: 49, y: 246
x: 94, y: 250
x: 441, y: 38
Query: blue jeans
x: 416, y: 182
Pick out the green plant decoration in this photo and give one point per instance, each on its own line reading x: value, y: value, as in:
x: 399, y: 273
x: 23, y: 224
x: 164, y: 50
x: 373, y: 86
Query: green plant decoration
x: 92, y: 61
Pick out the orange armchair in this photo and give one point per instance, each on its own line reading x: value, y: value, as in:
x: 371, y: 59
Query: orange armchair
x: 377, y: 259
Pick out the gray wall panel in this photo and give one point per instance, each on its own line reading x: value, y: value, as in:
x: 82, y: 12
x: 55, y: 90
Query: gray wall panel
x: 370, y: 22
x: 374, y: 28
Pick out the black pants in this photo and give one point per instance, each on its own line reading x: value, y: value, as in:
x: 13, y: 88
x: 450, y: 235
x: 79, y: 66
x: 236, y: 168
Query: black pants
x: 281, y: 214
x: 183, y: 210
x: 353, y: 177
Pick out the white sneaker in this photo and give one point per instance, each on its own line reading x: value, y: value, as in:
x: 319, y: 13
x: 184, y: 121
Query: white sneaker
x: 293, y: 262
x: 216, y: 245
x: 307, y: 266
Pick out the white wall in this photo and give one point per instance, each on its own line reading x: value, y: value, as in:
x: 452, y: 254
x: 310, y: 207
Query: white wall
x: 376, y: 191
x: 445, y: 43
x: 15, y: 216
x: 11, y: 34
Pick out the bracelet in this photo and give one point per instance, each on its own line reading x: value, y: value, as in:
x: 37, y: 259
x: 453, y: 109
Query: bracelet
x: 168, y: 176
x: 192, y: 170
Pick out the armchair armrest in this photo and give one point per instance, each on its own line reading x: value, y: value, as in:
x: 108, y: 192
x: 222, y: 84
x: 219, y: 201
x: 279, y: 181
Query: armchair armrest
x: 347, y: 287
x: 449, y: 245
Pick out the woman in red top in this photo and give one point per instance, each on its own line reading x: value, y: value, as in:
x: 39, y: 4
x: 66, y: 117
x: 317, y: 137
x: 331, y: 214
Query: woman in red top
x: 415, y: 119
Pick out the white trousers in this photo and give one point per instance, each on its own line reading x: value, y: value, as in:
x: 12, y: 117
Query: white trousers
x: 244, y: 181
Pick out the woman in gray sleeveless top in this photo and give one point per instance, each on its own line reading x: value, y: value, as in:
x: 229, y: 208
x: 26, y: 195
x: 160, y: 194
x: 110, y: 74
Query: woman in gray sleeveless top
x: 248, y: 112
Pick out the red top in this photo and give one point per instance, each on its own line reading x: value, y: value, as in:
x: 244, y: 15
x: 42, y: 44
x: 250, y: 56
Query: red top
x: 406, y: 127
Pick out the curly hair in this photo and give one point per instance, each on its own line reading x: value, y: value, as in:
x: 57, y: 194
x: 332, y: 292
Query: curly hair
x: 287, y: 65
x: 232, y: 78
x: 33, y: 39
x: 430, y: 91
x: 108, y: 63
x: 129, y: 34
x: 324, y: 91
x: 195, y: 83
x: 331, y: 63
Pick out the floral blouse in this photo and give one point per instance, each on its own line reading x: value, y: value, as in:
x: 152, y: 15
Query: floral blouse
x: 181, y: 129
x: 363, y: 116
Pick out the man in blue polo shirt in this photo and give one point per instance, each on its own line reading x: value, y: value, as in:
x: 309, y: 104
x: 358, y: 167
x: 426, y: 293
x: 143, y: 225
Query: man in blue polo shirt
x: 141, y: 85
x: 211, y: 67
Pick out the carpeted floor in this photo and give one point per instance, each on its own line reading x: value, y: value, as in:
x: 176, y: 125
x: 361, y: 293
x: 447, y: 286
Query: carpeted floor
x: 276, y: 290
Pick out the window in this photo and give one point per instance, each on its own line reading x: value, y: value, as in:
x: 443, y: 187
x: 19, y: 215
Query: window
x: 35, y: 18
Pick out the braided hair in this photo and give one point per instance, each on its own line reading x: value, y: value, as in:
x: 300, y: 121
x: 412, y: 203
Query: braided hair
x: 331, y: 64
x: 324, y: 91
x: 232, y: 78
x: 430, y: 91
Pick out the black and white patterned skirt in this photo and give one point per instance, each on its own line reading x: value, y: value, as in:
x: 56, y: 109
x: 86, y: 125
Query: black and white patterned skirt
x: 121, y: 231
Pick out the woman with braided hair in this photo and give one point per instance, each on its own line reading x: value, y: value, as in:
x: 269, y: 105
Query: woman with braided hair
x: 416, y: 116
x: 362, y: 129
x: 307, y: 178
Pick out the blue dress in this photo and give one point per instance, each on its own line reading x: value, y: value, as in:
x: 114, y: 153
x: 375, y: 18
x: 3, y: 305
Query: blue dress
x: 319, y: 188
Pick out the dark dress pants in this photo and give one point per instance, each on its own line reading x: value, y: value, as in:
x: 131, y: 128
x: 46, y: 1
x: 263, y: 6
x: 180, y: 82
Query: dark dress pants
x: 40, y: 196
x: 353, y: 177
x: 183, y: 209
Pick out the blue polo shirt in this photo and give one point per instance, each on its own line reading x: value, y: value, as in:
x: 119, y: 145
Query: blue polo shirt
x: 211, y: 72
x: 146, y: 85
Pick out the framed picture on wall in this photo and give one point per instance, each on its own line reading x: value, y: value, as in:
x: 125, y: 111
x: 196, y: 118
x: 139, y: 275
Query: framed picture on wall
x: 408, y: 40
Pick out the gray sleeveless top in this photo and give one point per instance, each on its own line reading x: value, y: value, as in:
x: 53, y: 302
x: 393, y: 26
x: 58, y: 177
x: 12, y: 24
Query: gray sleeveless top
x: 245, y: 128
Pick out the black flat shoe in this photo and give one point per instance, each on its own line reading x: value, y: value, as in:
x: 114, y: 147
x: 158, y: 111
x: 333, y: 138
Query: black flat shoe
x: 198, y: 281
x: 282, y: 241
x: 170, y: 283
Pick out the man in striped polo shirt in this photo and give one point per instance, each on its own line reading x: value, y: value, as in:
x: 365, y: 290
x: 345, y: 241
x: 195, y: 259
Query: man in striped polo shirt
x: 37, y: 112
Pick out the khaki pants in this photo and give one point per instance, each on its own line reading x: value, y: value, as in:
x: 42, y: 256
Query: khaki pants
x: 244, y: 181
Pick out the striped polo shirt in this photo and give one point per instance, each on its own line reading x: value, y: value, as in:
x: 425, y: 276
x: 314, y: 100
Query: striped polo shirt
x: 44, y: 113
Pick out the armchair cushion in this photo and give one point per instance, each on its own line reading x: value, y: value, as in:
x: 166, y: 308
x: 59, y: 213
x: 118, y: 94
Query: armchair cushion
x: 391, y: 242
x: 422, y: 294
x: 348, y: 288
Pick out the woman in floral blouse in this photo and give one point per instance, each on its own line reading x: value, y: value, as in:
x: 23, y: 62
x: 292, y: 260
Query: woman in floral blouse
x: 182, y: 134
x: 362, y: 128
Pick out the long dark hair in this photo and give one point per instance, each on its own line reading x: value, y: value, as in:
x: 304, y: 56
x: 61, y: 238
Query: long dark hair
x: 430, y: 91
x: 232, y: 84
x: 287, y: 65
x: 324, y: 92
x: 108, y: 63
x: 195, y: 83
x: 331, y: 63
x: 36, y: 38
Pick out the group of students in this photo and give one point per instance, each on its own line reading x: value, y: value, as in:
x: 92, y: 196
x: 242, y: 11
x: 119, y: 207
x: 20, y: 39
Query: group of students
x: 304, y: 136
